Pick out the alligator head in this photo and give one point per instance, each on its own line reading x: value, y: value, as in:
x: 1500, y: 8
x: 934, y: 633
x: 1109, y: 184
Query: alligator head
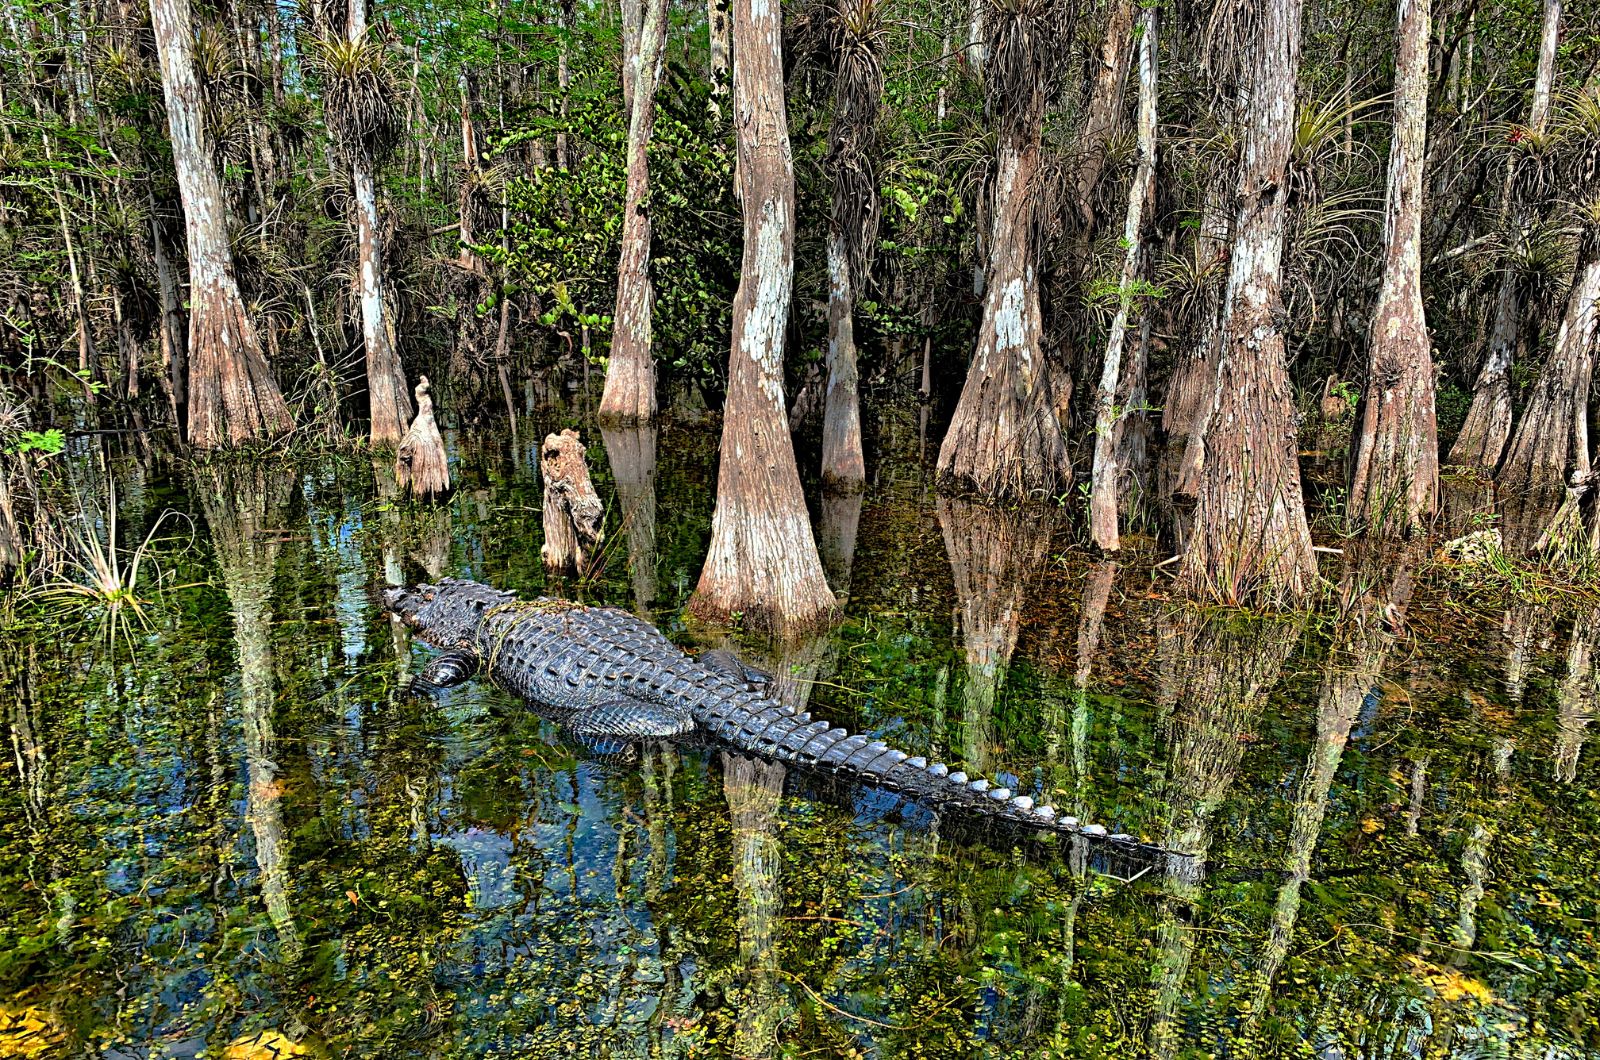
x: 445, y: 614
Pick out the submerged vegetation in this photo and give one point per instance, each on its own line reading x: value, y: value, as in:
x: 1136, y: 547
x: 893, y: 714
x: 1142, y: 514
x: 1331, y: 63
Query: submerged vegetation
x: 1186, y: 405
x: 241, y: 830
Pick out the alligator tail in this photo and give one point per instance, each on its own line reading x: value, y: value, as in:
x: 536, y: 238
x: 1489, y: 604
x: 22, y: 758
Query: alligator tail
x: 763, y: 727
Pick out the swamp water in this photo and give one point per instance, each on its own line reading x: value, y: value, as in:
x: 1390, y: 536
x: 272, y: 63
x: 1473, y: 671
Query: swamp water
x: 227, y: 833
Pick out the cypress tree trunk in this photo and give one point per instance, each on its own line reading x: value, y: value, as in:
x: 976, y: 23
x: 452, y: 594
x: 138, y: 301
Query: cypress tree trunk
x: 1250, y: 542
x: 1005, y: 441
x: 1395, y: 484
x: 388, y: 399
x: 466, y: 205
x: 763, y: 558
x: 232, y: 396
x: 843, y: 465
x: 1483, y: 436
x: 852, y: 227
x: 1552, y: 441
x: 630, y: 394
x: 1107, y: 421
x: 1187, y: 407
x: 174, y: 359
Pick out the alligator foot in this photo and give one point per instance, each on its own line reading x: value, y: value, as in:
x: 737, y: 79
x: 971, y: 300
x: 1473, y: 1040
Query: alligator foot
x: 443, y: 671
x: 724, y: 662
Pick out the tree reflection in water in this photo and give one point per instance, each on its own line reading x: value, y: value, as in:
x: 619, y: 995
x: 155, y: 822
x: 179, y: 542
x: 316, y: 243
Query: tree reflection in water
x: 632, y: 454
x: 244, y: 507
x: 994, y: 554
x: 1374, y: 594
x: 1217, y: 671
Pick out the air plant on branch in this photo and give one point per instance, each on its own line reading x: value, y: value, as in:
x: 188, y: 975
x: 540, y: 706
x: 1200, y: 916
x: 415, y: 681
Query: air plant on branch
x: 359, y: 95
x: 856, y: 38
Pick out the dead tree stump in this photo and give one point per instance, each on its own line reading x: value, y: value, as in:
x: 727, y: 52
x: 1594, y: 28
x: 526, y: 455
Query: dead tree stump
x: 420, y: 465
x: 573, y: 515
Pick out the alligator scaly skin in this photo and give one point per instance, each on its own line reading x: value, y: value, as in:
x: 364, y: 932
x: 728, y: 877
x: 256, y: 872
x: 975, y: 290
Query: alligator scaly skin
x: 601, y: 671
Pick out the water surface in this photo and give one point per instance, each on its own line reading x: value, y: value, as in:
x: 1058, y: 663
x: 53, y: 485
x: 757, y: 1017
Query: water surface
x: 235, y: 835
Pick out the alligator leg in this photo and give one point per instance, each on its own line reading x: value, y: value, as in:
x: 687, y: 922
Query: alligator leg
x: 630, y: 718
x: 721, y: 661
x: 443, y: 671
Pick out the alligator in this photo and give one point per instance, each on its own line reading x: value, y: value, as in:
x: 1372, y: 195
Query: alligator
x: 604, y: 674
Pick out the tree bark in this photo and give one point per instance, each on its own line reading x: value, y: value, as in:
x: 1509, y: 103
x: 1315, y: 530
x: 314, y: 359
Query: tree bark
x: 421, y: 466
x: 1107, y: 420
x: 852, y: 227
x: 174, y: 360
x: 574, y: 518
x: 1005, y: 440
x: 1250, y: 543
x: 564, y: 80
x: 1187, y: 408
x: 1483, y: 435
x: 233, y: 397
x: 977, y: 47
x: 388, y: 400
x: 1552, y: 441
x: 763, y: 560
x: 1395, y: 484
x: 630, y: 393
x: 466, y: 208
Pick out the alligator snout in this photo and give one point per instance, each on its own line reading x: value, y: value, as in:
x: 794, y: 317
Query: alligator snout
x: 403, y: 603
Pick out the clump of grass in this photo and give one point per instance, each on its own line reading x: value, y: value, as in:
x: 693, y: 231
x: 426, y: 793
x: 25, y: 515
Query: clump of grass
x: 1477, y: 571
x: 98, y: 578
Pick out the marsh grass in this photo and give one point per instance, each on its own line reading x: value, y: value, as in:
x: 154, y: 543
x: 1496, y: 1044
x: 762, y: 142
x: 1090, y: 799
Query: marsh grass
x: 97, y: 579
